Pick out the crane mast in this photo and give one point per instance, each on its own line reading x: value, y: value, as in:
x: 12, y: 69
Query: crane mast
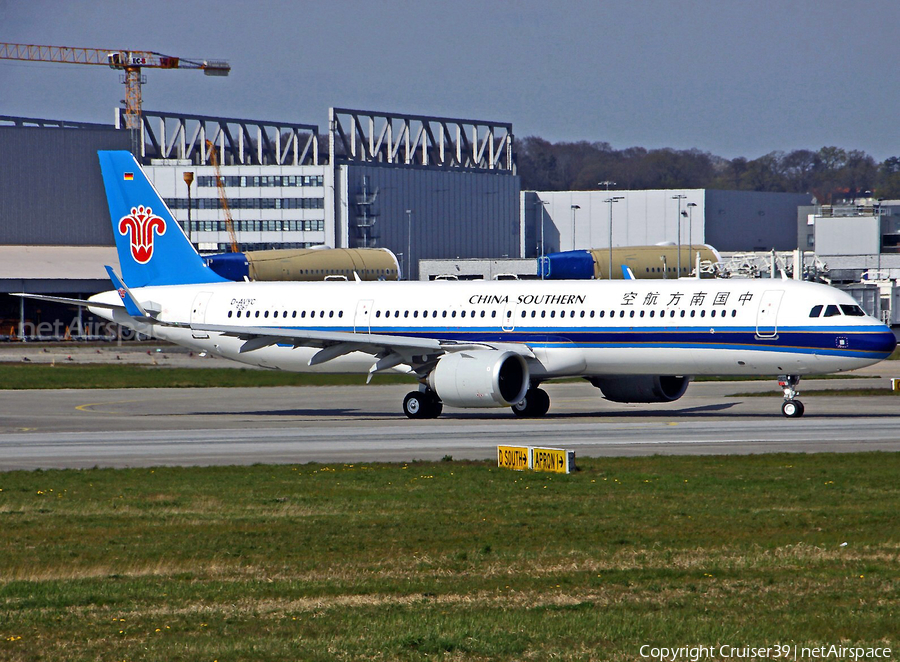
x: 131, y: 62
x: 223, y: 199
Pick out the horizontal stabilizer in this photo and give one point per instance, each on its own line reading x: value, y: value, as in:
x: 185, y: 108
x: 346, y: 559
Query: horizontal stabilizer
x: 72, y: 302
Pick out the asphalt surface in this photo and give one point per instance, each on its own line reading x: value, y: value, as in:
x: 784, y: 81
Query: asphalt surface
x: 151, y: 427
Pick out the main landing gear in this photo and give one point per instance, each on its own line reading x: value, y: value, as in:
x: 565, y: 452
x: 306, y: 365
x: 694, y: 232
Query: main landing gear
x: 535, y: 404
x: 422, y: 404
x: 791, y: 407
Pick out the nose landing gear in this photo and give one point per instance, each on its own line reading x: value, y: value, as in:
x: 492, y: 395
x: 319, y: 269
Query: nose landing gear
x: 791, y: 407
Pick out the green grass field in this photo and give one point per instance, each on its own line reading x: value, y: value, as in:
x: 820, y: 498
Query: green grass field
x: 449, y: 560
x: 39, y: 376
x: 16, y: 376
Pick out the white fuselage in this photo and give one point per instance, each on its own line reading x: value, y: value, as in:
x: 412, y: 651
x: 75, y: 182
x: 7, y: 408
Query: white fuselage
x: 636, y: 327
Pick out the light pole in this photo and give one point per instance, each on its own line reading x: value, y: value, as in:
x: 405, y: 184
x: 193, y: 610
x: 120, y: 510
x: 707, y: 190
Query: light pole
x: 408, y: 240
x: 679, y: 197
x: 189, y: 179
x: 611, y: 201
x: 574, y: 209
x: 606, y: 183
x: 544, y: 204
x: 690, y: 207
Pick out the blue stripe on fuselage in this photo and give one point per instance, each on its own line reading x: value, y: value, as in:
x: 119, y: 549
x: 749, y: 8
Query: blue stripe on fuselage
x: 856, y: 342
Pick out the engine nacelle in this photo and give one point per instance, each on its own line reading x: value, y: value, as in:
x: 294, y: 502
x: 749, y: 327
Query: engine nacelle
x: 642, y: 388
x: 480, y: 378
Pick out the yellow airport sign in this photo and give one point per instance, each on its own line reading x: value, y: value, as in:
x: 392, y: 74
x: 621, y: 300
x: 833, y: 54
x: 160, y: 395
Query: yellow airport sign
x: 513, y: 457
x: 553, y: 460
x: 521, y: 458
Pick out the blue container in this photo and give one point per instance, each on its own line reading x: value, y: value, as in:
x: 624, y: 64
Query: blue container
x: 568, y: 265
x: 233, y: 266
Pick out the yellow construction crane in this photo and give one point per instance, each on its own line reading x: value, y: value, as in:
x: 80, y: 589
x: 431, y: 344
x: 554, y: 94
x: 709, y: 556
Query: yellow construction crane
x: 131, y: 62
x: 220, y: 185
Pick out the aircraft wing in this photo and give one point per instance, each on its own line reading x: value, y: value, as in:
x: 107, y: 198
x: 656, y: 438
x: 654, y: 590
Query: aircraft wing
x: 388, y: 350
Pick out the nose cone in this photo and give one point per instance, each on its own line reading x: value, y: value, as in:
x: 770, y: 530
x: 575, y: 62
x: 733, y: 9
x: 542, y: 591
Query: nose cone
x: 881, y: 341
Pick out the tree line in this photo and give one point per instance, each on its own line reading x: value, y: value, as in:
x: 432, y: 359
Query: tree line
x: 831, y: 174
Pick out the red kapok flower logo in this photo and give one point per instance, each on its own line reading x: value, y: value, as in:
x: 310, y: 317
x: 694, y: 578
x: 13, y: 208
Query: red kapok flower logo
x: 143, y: 226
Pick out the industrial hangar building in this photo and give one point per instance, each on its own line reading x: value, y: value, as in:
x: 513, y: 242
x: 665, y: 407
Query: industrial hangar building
x: 418, y: 185
x: 427, y: 188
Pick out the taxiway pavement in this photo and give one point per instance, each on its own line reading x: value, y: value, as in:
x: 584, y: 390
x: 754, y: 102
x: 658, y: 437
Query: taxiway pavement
x: 151, y: 427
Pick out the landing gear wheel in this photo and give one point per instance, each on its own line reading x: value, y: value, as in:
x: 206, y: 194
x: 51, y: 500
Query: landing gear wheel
x: 535, y: 404
x: 792, y: 408
x: 435, y: 406
x: 416, y: 405
x: 422, y: 405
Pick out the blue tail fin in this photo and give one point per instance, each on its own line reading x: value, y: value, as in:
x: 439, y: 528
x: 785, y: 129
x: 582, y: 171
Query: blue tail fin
x: 152, y: 248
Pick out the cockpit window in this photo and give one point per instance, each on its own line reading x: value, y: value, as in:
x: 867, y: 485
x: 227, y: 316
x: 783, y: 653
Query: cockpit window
x: 816, y: 311
x: 832, y: 311
x: 852, y: 311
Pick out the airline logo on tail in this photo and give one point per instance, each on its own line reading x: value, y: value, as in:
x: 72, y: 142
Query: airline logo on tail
x: 143, y: 225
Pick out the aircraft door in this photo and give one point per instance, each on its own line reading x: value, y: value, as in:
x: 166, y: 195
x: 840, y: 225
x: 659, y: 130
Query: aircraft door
x: 362, y: 320
x: 508, y: 321
x: 198, y: 312
x: 767, y: 314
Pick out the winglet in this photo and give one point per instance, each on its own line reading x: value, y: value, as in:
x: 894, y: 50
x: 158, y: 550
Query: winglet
x: 627, y: 273
x: 132, y: 307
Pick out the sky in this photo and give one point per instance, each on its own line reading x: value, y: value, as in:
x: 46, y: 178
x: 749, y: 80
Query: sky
x: 729, y: 77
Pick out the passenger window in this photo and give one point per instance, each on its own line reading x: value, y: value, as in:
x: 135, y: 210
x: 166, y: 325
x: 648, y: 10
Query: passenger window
x: 377, y: 313
x: 592, y: 314
x: 331, y: 313
x: 341, y: 314
x: 602, y: 313
x: 642, y: 314
x: 832, y: 311
x: 652, y: 313
x: 444, y: 314
x: 552, y: 313
x: 266, y: 314
x: 294, y: 316
x: 257, y: 313
x: 672, y: 313
x: 275, y: 314
x: 482, y: 313
x: 462, y: 313
x: 229, y: 313
x: 852, y: 311
x: 632, y: 314
x: 621, y: 313
x: 302, y: 314
x: 693, y: 312
x: 533, y: 313
x: 682, y: 313
x: 405, y: 313
x: 312, y: 313
x: 543, y: 313
x: 415, y: 313
x: 494, y: 313
x: 734, y: 313
x: 702, y: 313
x: 453, y: 314
x: 582, y: 314
x: 816, y: 311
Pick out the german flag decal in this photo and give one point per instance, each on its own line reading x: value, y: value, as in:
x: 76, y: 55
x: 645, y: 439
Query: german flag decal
x: 129, y: 176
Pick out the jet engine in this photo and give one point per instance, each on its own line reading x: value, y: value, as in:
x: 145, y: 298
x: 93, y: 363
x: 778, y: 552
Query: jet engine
x: 480, y: 378
x: 642, y: 388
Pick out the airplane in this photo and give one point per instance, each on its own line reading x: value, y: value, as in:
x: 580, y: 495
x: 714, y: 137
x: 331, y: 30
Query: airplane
x: 478, y: 343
